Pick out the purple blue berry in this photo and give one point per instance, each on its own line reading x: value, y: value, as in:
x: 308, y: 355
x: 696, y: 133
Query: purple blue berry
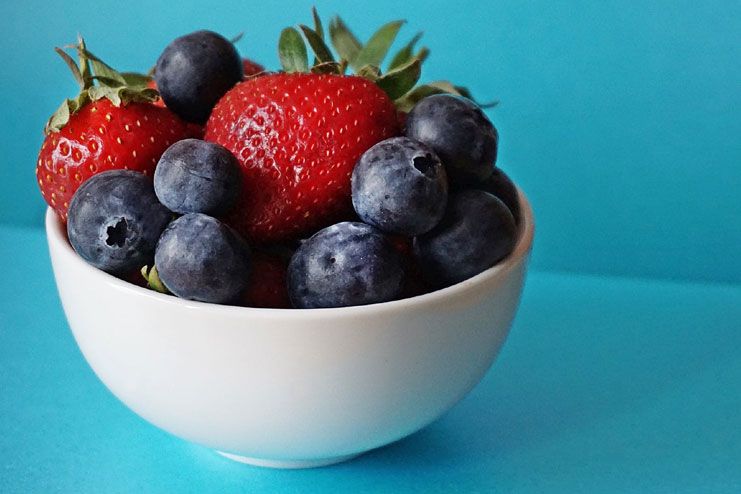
x: 346, y: 264
x: 195, y: 176
x: 114, y: 220
x: 200, y: 258
x: 477, y: 231
x: 400, y: 187
x: 500, y: 185
x: 459, y: 132
x: 195, y: 71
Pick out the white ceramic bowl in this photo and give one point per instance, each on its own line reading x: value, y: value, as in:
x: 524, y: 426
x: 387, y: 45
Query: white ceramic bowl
x: 288, y: 388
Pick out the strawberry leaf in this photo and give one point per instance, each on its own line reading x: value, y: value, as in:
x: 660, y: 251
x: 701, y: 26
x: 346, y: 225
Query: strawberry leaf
x: 327, y: 68
x: 84, y: 62
x: 344, y: 41
x: 407, y: 101
x: 369, y: 72
x: 317, y: 23
x: 405, y: 54
x: 118, y: 88
x: 123, y: 94
x: 463, y: 91
x: 76, y: 103
x: 72, y: 66
x: 137, y: 95
x: 378, y: 45
x: 136, y: 79
x: 59, y: 119
x: 447, y: 87
x: 100, y: 92
x: 317, y: 45
x: 101, y: 69
x: 292, y: 51
x: 422, y: 54
x: 343, y: 66
x: 401, y: 80
x: 106, y: 81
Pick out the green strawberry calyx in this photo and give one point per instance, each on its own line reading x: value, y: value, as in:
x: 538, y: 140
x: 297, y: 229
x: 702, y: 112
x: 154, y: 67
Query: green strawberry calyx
x: 97, y: 80
x: 398, y: 81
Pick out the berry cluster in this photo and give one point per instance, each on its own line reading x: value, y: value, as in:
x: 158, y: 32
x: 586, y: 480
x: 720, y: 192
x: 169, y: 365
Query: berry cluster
x: 302, y: 188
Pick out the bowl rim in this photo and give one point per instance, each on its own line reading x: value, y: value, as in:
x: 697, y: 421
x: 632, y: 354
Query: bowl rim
x: 57, y: 238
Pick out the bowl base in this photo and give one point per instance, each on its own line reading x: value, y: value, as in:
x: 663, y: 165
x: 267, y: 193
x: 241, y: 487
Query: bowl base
x: 287, y: 464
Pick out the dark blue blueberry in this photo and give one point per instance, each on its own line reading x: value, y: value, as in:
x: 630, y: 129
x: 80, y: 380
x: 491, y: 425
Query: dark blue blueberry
x: 195, y: 176
x: 115, y: 219
x: 476, y: 232
x: 500, y: 185
x: 196, y: 70
x: 459, y: 132
x: 349, y: 263
x: 400, y: 186
x: 200, y: 258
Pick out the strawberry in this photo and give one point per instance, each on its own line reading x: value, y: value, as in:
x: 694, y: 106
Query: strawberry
x: 297, y: 138
x: 159, y: 101
x: 251, y: 68
x: 299, y: 133
x: 109, y: 126
x: 267, y: 286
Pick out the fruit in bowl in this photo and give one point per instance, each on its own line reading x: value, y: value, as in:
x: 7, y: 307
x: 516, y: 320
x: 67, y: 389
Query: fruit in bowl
x: 324, y: 274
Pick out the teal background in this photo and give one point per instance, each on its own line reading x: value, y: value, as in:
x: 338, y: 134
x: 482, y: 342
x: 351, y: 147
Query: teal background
x: 620, y: 119
x: 622, y: 122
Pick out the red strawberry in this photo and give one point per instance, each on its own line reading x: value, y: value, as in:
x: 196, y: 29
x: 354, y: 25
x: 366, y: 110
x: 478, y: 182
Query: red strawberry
x: 251, y: 68
x: 159, y: 101
x: 298, y: 137
x: 119, y: 128
x: 267, y: 283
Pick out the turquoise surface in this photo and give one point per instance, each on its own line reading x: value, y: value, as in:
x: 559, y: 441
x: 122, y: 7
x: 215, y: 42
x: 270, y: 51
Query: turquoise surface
x: 620, y: 119
x: 605, y: 385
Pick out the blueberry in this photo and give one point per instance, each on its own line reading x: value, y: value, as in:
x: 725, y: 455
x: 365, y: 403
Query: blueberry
x: 459, y: 132
x: 349, y: 263
x: 195, y: 176
x: 196, y: 70
x: 476, y: 232
x: 200, y: 258
x: 500, y: 185
x: 400, y: 186
x: 115, y: 219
